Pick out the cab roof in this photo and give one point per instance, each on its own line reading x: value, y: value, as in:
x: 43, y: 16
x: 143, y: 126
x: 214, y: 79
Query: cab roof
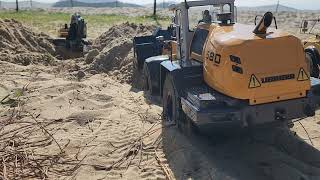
x: 183, y: 5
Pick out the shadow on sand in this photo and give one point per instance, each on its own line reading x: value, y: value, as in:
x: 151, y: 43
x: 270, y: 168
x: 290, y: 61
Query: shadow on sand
x: 266, y: 155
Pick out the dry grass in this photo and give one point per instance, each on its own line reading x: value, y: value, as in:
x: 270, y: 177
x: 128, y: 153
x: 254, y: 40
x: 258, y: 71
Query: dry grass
x: 287, y: 21
x: 50, y: 22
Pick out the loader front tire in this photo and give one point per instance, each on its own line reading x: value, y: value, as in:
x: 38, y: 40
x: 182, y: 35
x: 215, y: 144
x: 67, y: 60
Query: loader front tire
x: 147, y: 83
x: 172, y: 110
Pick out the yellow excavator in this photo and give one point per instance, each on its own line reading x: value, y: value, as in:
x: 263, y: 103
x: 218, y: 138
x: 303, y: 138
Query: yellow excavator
x: 312, y: 44
x: 72, y: 37
x: 220, y: 74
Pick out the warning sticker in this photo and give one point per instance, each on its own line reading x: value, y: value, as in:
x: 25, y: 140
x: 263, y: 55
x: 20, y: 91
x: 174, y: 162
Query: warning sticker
x: 302, y: 76
x: 254, y: 82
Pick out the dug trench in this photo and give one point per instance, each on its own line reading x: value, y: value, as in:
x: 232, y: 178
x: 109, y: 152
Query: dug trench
x: 87, y: 118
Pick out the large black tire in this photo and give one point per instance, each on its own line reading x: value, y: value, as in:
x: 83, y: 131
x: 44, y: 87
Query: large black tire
x: 147, y: 83
x: 172, y: 110
x: 189, y: 128
x: 312, y: 57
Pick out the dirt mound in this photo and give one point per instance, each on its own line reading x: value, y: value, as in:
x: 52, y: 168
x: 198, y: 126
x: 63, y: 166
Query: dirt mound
x: 118, y: 32
x: 21, y: 45
x: 116, y: 51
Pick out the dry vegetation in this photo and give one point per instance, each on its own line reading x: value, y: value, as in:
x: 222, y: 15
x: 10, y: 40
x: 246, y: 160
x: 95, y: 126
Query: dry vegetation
x: 84, y: 118
x: 99, y: 20
x: 287, y: 21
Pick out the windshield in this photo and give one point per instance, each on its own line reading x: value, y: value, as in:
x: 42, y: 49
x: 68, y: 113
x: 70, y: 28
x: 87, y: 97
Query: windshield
x: 206, y: 14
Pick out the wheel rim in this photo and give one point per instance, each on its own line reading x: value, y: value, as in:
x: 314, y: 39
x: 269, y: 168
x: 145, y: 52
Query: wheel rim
x: 169, y: 109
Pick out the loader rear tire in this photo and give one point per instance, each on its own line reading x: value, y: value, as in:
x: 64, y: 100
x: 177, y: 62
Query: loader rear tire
x: 312, y: 57
x: 172, y: 110
x: 147, y: 83
x: 189, y: 128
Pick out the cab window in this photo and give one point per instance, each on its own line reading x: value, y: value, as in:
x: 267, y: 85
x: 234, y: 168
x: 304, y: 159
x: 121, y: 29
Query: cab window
x: 197, y: 15
x: 226, y: 8
x: 198, y: 41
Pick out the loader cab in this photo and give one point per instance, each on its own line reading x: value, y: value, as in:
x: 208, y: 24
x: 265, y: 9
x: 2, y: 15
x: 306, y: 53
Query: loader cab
x: 191, y: 32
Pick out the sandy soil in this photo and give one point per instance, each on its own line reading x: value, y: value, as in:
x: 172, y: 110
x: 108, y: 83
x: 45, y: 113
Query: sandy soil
x: 22, y: 46
x: 98, y: 123
x: 109, y: 130
x: 83, y: 119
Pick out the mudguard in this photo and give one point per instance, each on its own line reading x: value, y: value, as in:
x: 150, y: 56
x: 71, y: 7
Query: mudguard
x: 185, y: 77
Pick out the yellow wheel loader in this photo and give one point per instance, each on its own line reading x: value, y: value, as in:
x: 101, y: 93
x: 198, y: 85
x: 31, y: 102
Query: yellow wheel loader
x: 221, y: 75
x: 312, y: 44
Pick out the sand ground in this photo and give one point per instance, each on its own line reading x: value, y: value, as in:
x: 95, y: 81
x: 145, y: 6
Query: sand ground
x: 84, y: 119
x: 109, y: 130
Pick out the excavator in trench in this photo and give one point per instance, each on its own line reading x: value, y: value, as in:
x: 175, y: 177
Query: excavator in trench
x: 222, y: 75
x: 72, y: 38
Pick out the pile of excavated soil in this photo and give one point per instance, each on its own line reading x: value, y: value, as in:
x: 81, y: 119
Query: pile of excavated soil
x: 20, y: 45
x: 113, y: 52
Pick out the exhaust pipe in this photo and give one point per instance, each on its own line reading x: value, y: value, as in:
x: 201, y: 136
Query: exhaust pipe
x: 264, y: 24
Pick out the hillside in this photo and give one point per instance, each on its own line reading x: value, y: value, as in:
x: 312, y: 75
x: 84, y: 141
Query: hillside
x: 96, y: 4
x: 268, y: 8
x: 96, y: 1
x: 161, y: 4
x: 24, y: 5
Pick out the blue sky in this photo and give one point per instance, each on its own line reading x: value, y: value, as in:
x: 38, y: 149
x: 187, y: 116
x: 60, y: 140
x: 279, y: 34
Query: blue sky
x: 299, y: 4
